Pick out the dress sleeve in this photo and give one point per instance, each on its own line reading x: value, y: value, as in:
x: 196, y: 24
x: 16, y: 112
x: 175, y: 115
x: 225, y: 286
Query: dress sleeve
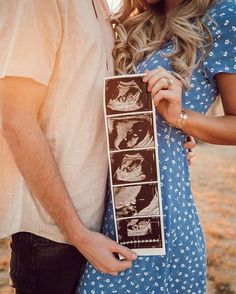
x: 222, y: 24
x: 30, y: 34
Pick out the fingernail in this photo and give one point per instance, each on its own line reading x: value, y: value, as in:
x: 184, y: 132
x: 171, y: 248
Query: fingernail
x: 134, y: 256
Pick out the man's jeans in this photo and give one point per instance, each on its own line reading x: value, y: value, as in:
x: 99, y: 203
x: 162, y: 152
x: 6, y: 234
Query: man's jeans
x: 41, y: 266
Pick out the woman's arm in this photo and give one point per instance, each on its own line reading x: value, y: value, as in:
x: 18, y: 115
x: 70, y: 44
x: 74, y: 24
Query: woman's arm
x: 168, y: 100
x: 218, y: 129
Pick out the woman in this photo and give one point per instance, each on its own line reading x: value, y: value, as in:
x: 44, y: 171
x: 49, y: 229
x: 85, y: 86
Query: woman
x: 189, y: 42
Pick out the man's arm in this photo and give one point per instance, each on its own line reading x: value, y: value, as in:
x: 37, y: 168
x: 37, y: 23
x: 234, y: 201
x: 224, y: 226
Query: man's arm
x: 20, y: 102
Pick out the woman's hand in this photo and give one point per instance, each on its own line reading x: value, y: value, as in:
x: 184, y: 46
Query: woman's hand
x: 166, y: 92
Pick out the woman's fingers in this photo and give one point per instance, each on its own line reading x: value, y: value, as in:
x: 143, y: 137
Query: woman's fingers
x: 157, y: 71
x: 160, y: 95
x: 161, y: 79
x: 158, y: 85
x: 157, y: 79
x: 166, y: 92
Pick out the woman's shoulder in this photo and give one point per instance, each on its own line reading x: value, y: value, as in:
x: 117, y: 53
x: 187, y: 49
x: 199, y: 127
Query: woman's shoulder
x: 221, y: 19
x: 223, y: 12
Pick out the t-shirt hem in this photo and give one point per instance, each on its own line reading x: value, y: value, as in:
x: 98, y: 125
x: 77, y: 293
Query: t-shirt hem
x: 40, y: 78
x: 50, y: 236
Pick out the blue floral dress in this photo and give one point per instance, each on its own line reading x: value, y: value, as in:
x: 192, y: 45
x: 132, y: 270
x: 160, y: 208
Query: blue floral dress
x: 183, y: 268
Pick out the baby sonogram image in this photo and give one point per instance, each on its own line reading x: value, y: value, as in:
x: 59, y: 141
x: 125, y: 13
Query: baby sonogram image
x: 127, y: 95
x: 133, y: 166
x: 131, y: 132
x: 137, y: 200
x: 140, y: 232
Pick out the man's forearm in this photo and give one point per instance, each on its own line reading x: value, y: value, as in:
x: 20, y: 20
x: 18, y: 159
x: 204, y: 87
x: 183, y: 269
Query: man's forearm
x: 36, y: 162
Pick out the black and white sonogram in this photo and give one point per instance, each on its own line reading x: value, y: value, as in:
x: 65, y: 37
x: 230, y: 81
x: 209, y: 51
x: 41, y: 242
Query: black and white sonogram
x: 137, y: 200
x: 140, y: 232
x: 132, y: 141
x: 131, y: 132
x: 133, y: 166
x: 127, y: 94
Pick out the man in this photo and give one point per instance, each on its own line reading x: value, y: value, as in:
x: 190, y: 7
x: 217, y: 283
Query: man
x: 54, y: 55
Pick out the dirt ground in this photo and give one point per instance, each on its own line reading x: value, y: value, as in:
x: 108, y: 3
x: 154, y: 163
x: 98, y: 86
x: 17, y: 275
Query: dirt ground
x: 214, y: 187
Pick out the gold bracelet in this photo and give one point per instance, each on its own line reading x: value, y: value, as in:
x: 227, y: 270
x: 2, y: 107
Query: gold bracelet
x: 181, y: 120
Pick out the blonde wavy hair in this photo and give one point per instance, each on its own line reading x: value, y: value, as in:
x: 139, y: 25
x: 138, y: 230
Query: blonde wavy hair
x: 141, y: 28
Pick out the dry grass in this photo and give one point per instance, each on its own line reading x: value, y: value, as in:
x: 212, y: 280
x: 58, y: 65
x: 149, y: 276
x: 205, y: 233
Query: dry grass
x: 214, y: 186
x: 4, y: 265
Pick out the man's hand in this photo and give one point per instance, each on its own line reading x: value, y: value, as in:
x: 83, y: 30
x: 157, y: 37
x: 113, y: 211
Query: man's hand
x: 99, y: 250
x: 190, y: 145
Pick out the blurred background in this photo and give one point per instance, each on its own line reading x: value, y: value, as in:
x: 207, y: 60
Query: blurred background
x: 213, y: 176
x: 113, y: 4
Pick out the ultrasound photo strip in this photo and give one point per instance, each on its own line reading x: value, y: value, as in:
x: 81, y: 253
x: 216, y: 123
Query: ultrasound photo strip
x: 134, y: 164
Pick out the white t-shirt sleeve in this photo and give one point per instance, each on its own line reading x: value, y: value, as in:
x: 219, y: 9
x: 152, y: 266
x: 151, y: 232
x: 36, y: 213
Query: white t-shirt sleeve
x: 30, y: 36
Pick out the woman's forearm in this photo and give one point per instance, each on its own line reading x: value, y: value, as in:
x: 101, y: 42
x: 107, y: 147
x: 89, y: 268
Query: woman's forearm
x: 219, y: 130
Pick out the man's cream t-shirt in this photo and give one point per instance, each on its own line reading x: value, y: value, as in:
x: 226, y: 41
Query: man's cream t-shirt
x: 66, y: 45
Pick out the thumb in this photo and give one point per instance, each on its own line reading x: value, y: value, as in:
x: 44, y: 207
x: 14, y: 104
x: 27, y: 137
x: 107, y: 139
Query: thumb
x: 125, y: 252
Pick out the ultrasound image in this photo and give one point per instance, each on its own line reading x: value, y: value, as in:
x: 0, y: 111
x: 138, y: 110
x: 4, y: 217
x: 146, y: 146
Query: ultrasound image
x: 140, y: 232
x: 127, y: 95
x: 131, y: 132
x: 137, y: 200
x: 133, y: 166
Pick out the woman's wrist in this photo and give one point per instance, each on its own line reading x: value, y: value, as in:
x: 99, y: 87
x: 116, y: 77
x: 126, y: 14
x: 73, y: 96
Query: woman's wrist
x: 181, y: 120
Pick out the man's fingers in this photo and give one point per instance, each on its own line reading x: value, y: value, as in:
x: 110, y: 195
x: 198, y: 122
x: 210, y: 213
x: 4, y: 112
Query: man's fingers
x: 191, y: 143
x: 191, y: 155
x: 113, y: 266
x: 125, y: 252
x: 114, y: 273
x: 116, y: 266
x: 125, y: 264
x: 190, y: 162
